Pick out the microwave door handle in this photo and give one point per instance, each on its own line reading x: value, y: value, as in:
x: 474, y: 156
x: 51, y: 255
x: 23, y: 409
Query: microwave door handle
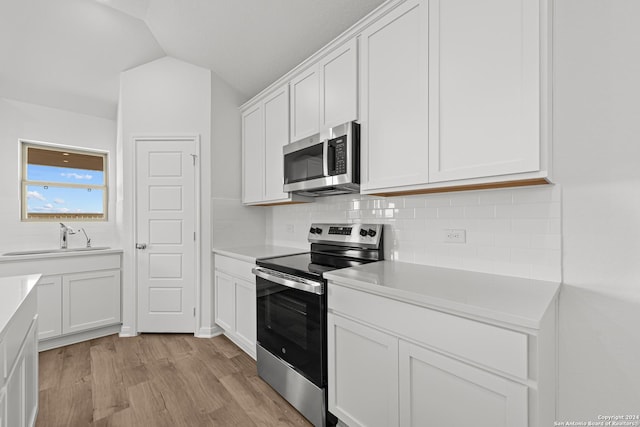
x: 325, y: 157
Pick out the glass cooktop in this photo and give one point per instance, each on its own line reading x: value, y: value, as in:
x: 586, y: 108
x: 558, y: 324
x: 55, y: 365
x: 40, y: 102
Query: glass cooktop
x: 310, y: 265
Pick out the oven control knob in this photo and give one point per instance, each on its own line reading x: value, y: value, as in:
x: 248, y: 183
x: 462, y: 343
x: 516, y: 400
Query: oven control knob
x: 312, y: 230
x: 372, y: 232
x: 363, y: 232
x: 318, y: 230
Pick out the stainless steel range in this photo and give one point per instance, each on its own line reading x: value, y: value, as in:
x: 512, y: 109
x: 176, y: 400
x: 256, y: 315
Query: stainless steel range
x: 292, y: 312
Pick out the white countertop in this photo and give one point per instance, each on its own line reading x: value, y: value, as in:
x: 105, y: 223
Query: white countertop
x: 514, y: 300
x: 13, y: 291
x: 69, y: 253
x: 251, y: 253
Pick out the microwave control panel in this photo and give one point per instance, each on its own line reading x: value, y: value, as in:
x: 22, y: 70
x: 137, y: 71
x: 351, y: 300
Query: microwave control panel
x: 338, y: 146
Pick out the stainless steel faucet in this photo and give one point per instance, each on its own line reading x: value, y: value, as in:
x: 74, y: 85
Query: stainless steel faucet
x: 86, y: 237
x: 64, y: 235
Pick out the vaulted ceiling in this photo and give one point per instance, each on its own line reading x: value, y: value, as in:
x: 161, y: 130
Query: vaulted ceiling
x: 69, y: 53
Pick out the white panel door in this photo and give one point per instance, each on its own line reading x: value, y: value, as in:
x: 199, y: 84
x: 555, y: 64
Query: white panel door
x: 484, y: 88
x: 253, y: 155
x: 166, y: 183
x: 393, y: 109
x: 305, y: 104
x: 339, y: 85
x: 436, y: 390
x: 276, y: 136
x: 49, y: 306
x: 363, y: 374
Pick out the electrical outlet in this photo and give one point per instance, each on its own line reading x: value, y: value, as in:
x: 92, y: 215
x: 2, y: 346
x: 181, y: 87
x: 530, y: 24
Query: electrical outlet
x: 455, y: 236
x: 289, y: 228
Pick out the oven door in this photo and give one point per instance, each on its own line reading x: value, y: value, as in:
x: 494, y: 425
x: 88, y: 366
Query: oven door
x: 292, y: 323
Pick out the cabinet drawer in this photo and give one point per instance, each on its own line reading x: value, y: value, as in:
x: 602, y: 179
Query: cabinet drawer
x: 491, y: 346
x: 234, y: 267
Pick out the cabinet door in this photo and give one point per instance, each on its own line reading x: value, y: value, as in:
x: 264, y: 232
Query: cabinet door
x: 393, y: 71
x: 31, y: 375
x: 276, y: 136
x: 339, y: 85
x: 252, y: 155
x: 90, y: 300
x: 305, y: 104
x: 15, y: 400
x: 484, y: 88
x: 3, y: 408
x: 436, y: 391
x: 49, y: 306
x: 246, y: 312
x: 225, y: 295
x: 363, y: 374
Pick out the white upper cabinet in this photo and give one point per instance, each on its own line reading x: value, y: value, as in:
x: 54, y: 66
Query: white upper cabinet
x: 265, y: 130
x: 305, y: 104
x: 326, y: 93
x: 393, y: 99
x: 339, y: 85
x: 276, y: 136
x: 252, y: 155
x: 484, y: 88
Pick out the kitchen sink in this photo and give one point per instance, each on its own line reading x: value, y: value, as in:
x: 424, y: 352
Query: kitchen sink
x: 55, y: 251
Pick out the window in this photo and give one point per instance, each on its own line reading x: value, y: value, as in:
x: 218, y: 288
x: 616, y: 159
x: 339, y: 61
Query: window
x: 63, y: 183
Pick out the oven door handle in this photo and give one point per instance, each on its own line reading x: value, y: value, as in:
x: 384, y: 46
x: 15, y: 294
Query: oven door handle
x: 289, y: 281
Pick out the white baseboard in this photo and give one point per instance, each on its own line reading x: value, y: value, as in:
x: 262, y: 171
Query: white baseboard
x: 209, y: 332
x: 127, y: 332
x: 64, y: 340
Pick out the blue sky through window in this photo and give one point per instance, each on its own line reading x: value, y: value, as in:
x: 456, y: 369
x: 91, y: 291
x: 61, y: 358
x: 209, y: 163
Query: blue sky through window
x: 62, y: 199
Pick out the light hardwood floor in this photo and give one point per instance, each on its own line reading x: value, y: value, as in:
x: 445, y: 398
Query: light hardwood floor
x: 157, y: 380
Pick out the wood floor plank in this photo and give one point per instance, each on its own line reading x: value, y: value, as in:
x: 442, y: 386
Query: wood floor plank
x: 159, y: 380
x: 109, y: 394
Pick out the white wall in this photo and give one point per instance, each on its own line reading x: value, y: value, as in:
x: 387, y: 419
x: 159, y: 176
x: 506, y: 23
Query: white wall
x: 165, y: 97
x: 232, y: 223
x: 514, y: 232
x: 19, y: 120
x: 597, y: 162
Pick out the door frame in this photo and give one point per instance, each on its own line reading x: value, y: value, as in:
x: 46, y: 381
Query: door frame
x: 197, y: 203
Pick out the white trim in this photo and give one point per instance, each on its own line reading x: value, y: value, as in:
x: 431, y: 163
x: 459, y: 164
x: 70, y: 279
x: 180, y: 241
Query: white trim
x: 65, y: 340
x: 209, y: 332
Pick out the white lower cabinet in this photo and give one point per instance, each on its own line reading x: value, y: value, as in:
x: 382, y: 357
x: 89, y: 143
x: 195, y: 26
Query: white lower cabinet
x: 436, y: 390
x: 79, y: 297
x: 78, y: 302
x: 90, y: 300
x: 395, y: 363
x: 49, y: 306
x: 235, y: 301
x: 3, y: 409
x: 363, y: 374
x: 19, y: 373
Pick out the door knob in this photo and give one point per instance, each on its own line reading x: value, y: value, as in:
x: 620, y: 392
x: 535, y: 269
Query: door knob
x: 141, y: 246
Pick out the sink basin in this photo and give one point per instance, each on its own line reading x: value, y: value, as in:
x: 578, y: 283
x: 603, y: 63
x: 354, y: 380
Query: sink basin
x: 55, y: 251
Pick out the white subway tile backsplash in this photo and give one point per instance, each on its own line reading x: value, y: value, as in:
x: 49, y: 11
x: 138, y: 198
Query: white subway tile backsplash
x: 495, y: 197
x: 509, y: 231
x: 480, y: 211
x: 451, y: 212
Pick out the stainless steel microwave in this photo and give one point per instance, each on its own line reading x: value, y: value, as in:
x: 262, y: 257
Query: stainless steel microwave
x: 324, y: 167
